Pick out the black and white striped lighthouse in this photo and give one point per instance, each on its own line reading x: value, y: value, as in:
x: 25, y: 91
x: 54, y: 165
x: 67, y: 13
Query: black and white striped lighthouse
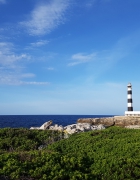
x: 129, y: 98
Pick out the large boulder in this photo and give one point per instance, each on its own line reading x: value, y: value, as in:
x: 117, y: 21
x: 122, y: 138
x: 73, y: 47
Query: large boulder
x: 46, y: 125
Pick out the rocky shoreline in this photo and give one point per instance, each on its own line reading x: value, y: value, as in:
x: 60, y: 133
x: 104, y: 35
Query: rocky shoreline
x: 70, y: 129
x: 91, y: 124
x: 122, y: 121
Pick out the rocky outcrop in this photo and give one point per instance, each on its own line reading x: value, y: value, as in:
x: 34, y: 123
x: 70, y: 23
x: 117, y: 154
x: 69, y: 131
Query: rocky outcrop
x: 70, y: 129
x: 122, y: 121
x: 90, y: 124
x: 127, y: 120
x: 96, y: 121
x: 56, y: 127
x: 44, y: 126
x: 74, y: 128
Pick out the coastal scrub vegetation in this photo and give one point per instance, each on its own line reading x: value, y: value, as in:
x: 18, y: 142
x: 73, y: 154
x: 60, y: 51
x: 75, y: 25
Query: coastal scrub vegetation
x: 113, y: 153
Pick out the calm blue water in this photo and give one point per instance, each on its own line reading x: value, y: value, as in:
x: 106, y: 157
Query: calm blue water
x: 27, y: 121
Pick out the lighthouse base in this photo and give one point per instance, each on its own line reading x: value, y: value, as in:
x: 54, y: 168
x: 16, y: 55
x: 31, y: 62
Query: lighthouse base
x: 132, y: 113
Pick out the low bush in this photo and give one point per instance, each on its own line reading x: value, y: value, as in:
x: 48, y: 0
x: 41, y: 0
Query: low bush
x: 113, y: 153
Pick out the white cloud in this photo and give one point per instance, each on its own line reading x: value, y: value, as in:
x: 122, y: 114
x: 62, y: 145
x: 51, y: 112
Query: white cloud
x: 8, y: 56
x: 11, y: 68
x: 39, y: 43
x: 27, y: 75
x: 33, y: 83
x: 101, y: 62
x: 90, y: 3
x: 9, y: 78
x: 46, y: 17
x: 50, y: 68
x: 2, y: 1
x: 14, y: 78
x: 81, y: 58
x: 6, y: 47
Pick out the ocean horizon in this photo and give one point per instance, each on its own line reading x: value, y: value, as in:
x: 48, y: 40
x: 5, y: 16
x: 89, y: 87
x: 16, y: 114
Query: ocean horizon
x: 27, y: 121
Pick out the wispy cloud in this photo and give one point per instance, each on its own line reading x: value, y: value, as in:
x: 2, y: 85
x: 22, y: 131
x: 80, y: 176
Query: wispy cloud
x: 39, y: 43
x: 15, y: 78
x: 33, y: 83
x: 46, y: 17
x: 99, y: 63
x: 81, y: 58
x: 2, y: 1
x: 7, y: 55
x: 27, y: 75
x: 91, y: 3
x: 12, y: 65
x: 50, y: 68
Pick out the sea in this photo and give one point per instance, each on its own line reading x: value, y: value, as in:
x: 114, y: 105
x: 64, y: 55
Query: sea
x: 27, y: 121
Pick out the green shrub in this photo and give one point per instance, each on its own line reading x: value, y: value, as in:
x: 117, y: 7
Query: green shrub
x: 113, y: 153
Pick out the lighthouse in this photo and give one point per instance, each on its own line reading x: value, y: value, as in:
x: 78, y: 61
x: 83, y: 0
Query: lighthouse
x: 130, y: 111
x: 129, y: 98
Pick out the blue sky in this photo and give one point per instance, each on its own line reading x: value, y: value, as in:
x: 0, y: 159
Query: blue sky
x: 69, y: 56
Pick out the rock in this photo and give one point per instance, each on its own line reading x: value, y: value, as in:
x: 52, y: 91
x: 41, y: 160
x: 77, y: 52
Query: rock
x: 85, y: 120
x: 112, y: 121
x: 105, y: 121
x: 56, y: 127
x: 71, y: 131
x: 100, y: 127
x: 51, y: 127
x: 61, y: 128
x: 93, y: 128
x: 34, y: 127
x: 83, y: 126
x: 72, y: 126
x: 127, y: 120
x: 133, y: 127
x: 46, y: 125
x: 96, y: 121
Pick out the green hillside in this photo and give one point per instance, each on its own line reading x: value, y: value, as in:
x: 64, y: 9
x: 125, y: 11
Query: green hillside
x: 110, y: 154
